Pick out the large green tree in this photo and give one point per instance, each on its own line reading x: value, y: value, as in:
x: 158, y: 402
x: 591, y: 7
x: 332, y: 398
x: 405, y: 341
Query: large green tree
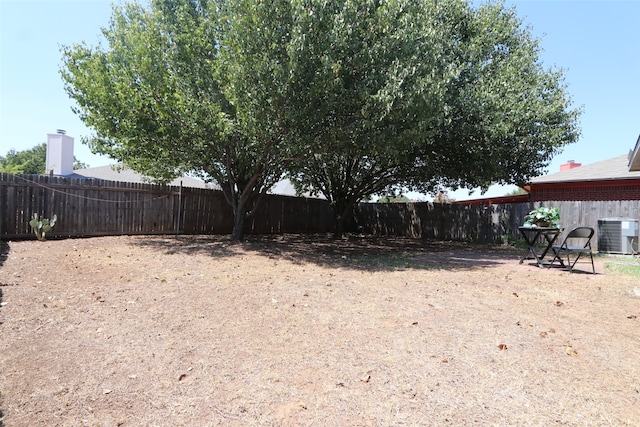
x: 189, y: 86
x: 372, y: 88
x: 421, y: 95
x: 351, y: 98
x: 506, y: 116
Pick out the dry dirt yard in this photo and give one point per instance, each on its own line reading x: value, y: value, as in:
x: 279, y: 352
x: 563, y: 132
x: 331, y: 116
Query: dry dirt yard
x: 302, y: 331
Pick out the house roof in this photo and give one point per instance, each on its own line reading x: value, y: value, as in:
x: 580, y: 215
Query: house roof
x: 284, y: 187
x: 616, y: 168
x: 634, y: 157
x: 110, y: 173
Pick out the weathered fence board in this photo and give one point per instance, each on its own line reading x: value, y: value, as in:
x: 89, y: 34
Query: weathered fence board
x: 93, y: 207
x: 85, y: 207
x: 482, y: 223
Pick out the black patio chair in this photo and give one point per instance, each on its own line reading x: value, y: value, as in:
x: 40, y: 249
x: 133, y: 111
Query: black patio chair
x: 578, y: 241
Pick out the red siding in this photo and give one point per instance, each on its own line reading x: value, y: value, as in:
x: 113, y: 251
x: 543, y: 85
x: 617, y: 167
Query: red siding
x: 589, y: 191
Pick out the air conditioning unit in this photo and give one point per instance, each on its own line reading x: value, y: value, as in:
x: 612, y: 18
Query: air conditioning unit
x: 618, y: 235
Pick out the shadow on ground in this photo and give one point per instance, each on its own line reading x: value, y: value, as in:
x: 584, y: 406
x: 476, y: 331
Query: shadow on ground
x: 4, y: 254
x: 4, y: 251
x: 352, y: 252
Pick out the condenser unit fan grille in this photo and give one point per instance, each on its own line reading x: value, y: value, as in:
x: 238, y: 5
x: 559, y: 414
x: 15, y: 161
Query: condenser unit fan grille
x: 618, y: 235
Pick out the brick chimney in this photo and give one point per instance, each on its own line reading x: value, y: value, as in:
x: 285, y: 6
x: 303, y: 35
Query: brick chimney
x: 569, y: 165
x: 59, y: 153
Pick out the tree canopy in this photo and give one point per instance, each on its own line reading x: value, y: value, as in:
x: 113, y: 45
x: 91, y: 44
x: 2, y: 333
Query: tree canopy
x: 188, y: 86
x: 506, y: 116
x: 380, y: 74
x: 31, y: 161
x: 425, y: 95
x: 349, y: 98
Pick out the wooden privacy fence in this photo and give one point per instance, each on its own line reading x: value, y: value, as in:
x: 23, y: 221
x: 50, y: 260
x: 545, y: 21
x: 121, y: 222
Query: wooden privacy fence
x: 84, y: 207
x: 482, y: 223
x: 94, y: 207
x: 475, y: 223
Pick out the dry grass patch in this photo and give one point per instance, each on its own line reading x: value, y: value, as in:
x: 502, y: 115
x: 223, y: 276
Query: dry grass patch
x: 300, y: 331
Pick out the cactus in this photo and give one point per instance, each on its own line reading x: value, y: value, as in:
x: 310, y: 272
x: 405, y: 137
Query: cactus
x: 42, y: 226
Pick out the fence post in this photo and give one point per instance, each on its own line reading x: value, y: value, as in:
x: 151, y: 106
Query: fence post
x: 179, y: 209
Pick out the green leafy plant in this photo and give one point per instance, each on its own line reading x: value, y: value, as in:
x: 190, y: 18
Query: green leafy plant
x: 42, y: 226
x: 542, y: 216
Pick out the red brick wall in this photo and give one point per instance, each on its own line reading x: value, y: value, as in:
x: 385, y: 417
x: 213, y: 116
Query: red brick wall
x: 607, y: 190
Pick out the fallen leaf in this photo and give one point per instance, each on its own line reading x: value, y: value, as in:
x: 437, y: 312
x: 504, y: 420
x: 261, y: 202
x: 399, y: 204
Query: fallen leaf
x: 559, y: 303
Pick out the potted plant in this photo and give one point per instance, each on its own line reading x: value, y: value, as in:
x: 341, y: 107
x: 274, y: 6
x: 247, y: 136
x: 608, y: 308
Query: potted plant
x: 543, y: 217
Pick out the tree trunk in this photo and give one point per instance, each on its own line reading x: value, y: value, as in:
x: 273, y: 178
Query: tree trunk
x: 342, y: 211
x: 239, y: 215
x: 237, y: 234
x: 338, y: 232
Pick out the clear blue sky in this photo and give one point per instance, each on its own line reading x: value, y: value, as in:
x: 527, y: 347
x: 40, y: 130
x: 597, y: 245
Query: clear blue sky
x: 597, y: 43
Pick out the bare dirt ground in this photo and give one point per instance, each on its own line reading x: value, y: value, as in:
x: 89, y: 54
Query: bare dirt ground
x: 302, y: 331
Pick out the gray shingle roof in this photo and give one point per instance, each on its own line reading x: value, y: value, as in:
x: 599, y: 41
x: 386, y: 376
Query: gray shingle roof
x: 634, y: 155
x: 127, y: 175
x: 284, y: 187
x: 611, y: 169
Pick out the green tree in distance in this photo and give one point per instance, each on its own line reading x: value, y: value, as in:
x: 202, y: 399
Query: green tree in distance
x: 31, y: 161
x: 516, y: 192
x: 393, y: 199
